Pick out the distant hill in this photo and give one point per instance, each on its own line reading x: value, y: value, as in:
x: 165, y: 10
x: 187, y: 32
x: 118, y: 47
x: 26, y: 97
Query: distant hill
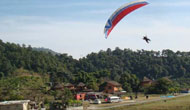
x: 95, y: 67
x: 38, y: 60
x: 46, y: 50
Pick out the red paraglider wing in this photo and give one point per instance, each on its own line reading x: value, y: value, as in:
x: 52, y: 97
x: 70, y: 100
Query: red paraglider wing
x: 120, y: 13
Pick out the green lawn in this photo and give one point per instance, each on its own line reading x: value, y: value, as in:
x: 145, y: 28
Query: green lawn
x: 180, y: 103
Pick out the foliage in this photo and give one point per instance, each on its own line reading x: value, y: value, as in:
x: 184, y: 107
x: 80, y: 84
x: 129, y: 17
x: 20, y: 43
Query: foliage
x: 130, y: 82
x: 67, y: 96
x: 20, y: 87
x: 161, y: 86
x: 125, y: 66
x: 74, y: 102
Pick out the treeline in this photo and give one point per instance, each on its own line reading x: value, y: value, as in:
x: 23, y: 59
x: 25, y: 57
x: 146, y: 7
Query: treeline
x: 152, y: 64
x: 96, y: 67
x: 14, y: 57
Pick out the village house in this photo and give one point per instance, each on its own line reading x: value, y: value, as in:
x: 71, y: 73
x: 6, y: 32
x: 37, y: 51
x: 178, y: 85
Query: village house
x: 57, y: 86
x: 146, y: 82
x: 69, y: 86
x: 80, y: 96
x: 81, y: 87
x: 112, y: 87
x: 15, y: 105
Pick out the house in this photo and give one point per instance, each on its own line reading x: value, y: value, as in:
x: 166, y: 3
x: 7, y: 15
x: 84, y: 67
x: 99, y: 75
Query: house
x: 15, y: 105
x: 81, y: 86
x: 112, y: 87
x: 146, y: 82
x: 80, y: 96
x: 69, y: 86
x: 57, y: 86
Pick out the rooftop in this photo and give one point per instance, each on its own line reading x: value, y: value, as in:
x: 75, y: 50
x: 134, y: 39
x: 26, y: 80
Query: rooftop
x: 114, y: 83
x: 68, y: 84
x: 146, y: 79
x: 81, y: 84
x: 14, y: 102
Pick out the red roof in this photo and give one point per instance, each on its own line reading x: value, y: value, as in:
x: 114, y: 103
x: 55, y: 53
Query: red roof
x: 114, y: 83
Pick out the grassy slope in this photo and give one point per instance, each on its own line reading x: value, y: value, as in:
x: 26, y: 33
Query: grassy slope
x: 182, y: 103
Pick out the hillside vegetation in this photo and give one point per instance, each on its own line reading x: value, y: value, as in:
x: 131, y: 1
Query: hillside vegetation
x: 20, y: 64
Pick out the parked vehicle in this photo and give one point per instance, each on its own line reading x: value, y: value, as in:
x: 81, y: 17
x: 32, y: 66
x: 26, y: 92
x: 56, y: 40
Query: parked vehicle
x: 114, y: 99
x: 97, y: 101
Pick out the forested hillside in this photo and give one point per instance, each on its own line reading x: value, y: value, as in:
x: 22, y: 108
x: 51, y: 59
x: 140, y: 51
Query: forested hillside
x: 95, y: 67
x: 153, y: 64
x: 14, y: 56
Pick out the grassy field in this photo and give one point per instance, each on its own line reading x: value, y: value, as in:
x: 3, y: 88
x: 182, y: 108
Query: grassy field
x: 180, y: 103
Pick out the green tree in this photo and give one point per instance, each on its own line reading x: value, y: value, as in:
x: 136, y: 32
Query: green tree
x: 162, y: 86
x: 127, y: 87
x: 129, y: 82
x: 67, y: 96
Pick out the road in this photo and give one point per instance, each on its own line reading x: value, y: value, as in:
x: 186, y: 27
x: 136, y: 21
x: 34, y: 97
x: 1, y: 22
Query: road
x: 133, y: 102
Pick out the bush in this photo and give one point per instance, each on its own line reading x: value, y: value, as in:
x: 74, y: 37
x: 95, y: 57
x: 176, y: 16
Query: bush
x: 74, y: 102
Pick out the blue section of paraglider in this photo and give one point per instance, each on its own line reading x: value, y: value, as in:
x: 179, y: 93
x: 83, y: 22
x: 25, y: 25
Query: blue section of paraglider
x: 106, y: 34
x: 131, y: 5
x: 109, y: 25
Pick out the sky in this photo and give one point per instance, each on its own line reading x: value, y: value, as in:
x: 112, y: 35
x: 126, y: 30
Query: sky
x: 76, y: 27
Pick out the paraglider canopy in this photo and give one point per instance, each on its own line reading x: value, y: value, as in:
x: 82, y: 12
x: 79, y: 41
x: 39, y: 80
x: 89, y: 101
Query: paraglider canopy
x: 120, y: 13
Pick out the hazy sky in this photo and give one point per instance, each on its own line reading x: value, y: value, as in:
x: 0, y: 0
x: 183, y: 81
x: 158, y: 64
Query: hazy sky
x: 76, y: 26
